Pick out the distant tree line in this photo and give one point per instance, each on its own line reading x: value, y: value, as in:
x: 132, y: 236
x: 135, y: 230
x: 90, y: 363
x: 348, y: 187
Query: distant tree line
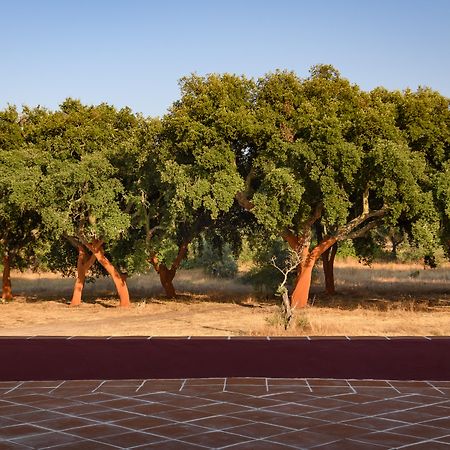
x: 314, y: 161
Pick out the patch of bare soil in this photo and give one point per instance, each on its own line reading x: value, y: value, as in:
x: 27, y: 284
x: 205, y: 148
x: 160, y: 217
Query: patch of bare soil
x: 185, y: 316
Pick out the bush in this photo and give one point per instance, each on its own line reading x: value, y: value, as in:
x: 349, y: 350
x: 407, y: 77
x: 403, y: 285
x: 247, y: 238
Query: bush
x: 264, y: 277
x: 217, y: 261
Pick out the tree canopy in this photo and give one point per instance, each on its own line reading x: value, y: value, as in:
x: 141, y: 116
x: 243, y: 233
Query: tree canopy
x: 312, y: 160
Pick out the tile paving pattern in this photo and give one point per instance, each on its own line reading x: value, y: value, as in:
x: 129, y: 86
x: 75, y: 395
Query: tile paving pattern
x: 232, y: 413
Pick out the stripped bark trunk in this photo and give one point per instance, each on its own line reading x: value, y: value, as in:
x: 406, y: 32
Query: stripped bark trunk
x: 167, y: 275
x: 6, y: 281
x: 328, y: 258
x: 300, y: 294
x: 84, y: 263
x: 97, y: 250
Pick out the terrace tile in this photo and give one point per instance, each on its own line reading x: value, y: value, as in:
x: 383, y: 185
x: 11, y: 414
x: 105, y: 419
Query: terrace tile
x: 303, y: 439
x: 374, y: 423
x: 84, y: 445
x: 65, y: 423
x: 47, y: 440
x: 258, y: 430
x: 183, y: 415
x: 20, y: 430
x: 220, y: 422
x: 202, y: 415
x: 423, y: 431
x: 259, y: 445
x: 178, y: 430
x: 12, y: 446
x: 130, y: 439
x: 348, y: 444
x: 96, y: 431
x: 429, y: 445
x: 111, y: 415
x: 169, y: 445
x: 389, y: 439
x: 216, y: 439
x: 142, y: 422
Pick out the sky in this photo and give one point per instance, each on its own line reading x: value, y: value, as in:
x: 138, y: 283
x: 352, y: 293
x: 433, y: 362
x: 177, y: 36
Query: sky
x: 133, y: 52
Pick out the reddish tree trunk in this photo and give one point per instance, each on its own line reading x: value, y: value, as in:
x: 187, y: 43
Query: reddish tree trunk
x: 6, y: 285
x: 300, y: 295
x: 299, y: 298
x: 120, y: 283
x: 84, y: 263
x: 166, y: 277
x: 328, y: 257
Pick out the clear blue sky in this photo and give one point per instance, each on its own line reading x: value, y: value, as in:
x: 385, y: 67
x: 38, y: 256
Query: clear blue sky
x: 132, y: 52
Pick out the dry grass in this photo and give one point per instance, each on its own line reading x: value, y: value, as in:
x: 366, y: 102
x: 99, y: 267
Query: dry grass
x: 385, y: 299
x: 393, y: 278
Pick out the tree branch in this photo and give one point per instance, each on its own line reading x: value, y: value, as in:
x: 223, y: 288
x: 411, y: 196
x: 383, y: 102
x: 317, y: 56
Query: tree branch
x: 182, y: 250
x: 242, y: 196
x: 291, y: 239
x: 74, y: 241
x: 153, y: 260
x: 315, y: 216
x: 362, y: 231
x: 365, y: 201
x: 292, y: 262
x: 93, y: 246
x: 350, y: 226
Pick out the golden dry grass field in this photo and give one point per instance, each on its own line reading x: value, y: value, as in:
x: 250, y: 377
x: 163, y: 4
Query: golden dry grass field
x: 385, y: 299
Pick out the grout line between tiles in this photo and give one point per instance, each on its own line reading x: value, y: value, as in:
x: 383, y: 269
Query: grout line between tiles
x: 434, y: 387
x: 142, y: 384
x: 351, y: 387
x: 393, y: 387
x: 15, y: 387
x: 99, y: 386
x: 309, y: 386
x: 54, y: 389
x: 182, y: 385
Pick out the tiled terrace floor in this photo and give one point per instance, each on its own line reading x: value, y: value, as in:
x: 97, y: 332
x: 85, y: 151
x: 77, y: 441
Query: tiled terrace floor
x: 232, y: 413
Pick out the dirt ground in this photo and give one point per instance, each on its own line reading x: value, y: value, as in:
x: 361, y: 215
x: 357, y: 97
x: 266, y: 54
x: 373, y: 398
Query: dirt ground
x: 381, y: 300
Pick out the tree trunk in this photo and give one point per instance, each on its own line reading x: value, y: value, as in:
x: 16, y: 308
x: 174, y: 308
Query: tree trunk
x: 166, y: 277
x: 6, y: 285
x: 300, y: 295
x: 119, y: 282
x: 84, y: 263
x: 328, y: 257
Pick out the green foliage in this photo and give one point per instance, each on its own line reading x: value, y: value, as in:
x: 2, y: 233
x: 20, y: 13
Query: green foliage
x: 215, y: 258
x: 264, y: 277
x: 82, y: 194
x: 346, y: 249
x: 200, y: 133
x: 20, y: 221
x: 286, y: 145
